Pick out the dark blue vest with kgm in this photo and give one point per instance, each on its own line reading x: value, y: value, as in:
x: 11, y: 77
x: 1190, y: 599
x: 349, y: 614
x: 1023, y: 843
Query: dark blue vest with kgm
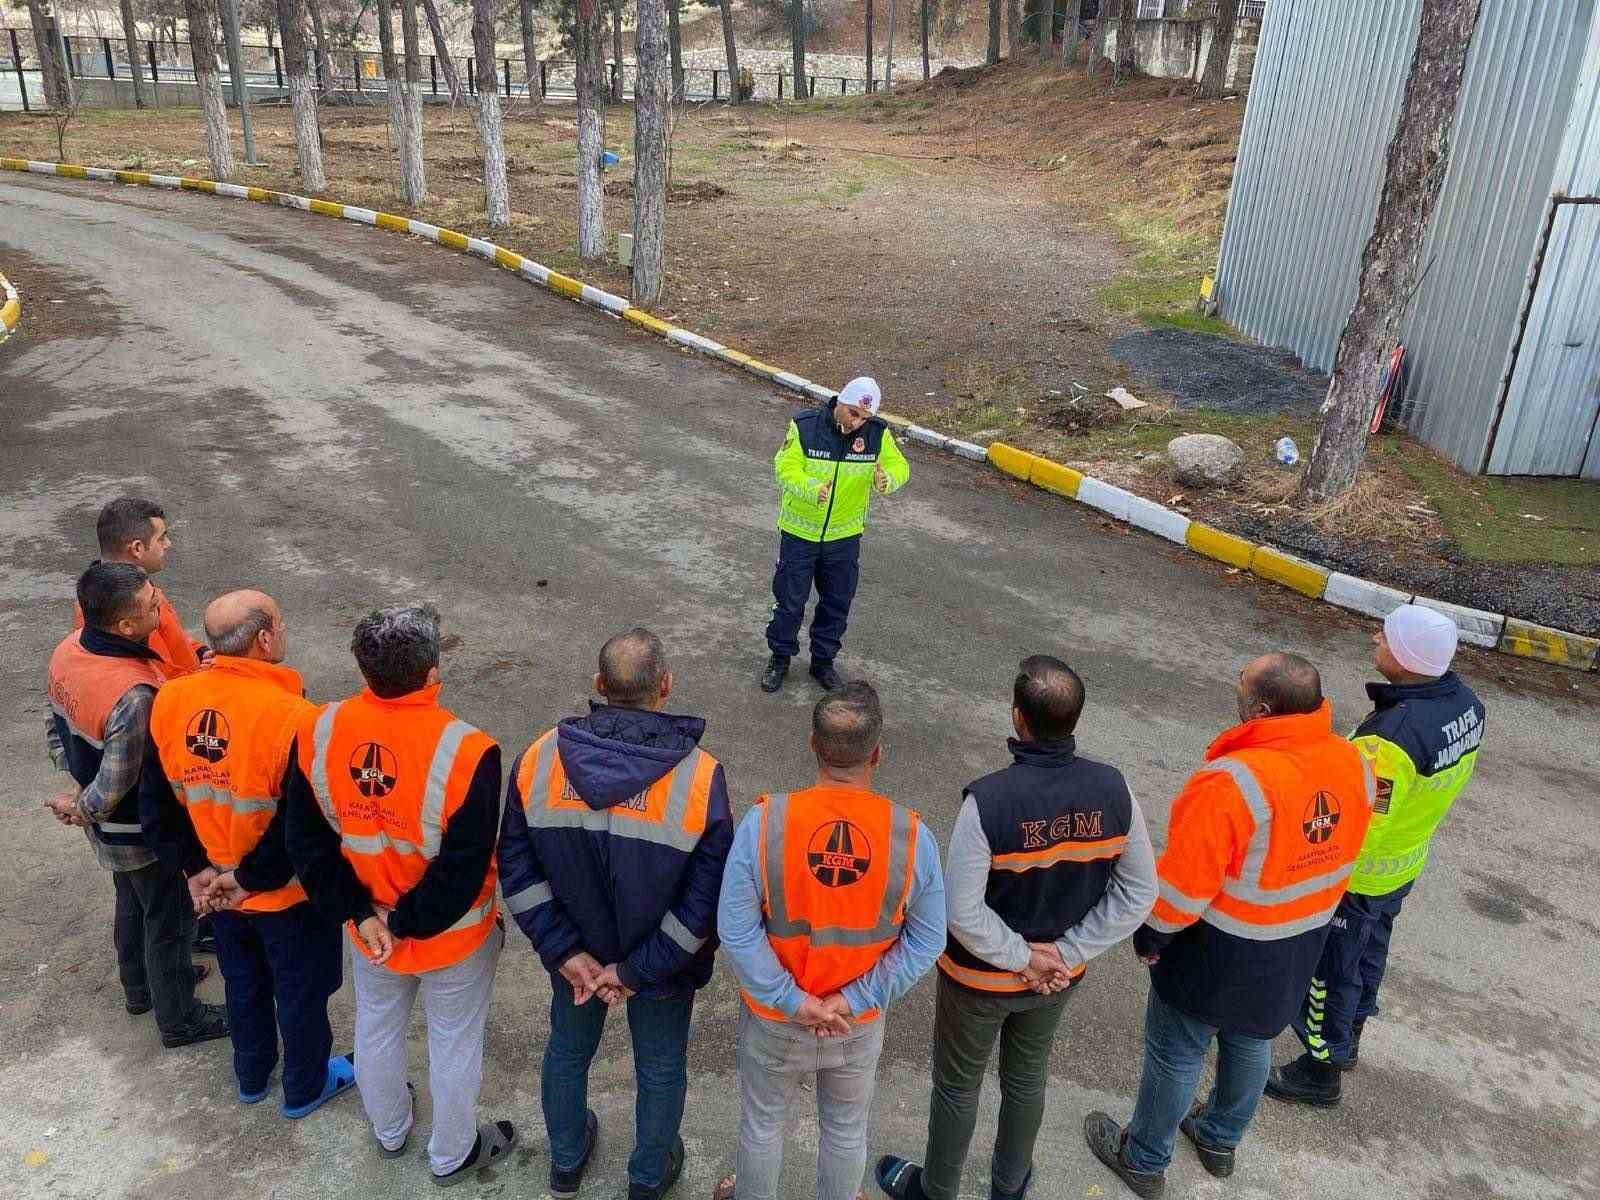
x: 1056, y: 825
x: 820, y: 436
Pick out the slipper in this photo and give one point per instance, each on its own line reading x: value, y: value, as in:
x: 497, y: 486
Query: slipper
x: 341, y: 1078
x: 255, y: 1097
x: 399, y: 1150
x: 495, y: 1141
x: 899, y: 1178
x: 724, y: 1188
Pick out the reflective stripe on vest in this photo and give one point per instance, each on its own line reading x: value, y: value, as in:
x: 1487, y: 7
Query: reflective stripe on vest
x: 781, y: 924
x: 993, y: 979
x: 321, y: 734
x: 1029, y: 860
x: 210, y: 793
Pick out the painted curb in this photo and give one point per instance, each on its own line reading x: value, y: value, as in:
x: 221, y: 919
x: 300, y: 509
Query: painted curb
x: 10, y: 308
x: 1492, y: 631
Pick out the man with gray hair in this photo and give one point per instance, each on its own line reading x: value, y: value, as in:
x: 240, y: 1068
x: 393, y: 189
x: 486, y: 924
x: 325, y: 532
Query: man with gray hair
x: 615, y: 833
x: 832, y: 907
x: 393, y: 808
x: 221, y: 744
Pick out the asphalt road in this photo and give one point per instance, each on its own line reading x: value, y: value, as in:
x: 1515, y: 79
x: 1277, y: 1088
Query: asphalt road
x: 368, y: 419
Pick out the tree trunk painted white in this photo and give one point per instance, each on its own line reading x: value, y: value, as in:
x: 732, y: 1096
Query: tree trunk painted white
x: 731, y: 49
x: 393, y: 91
x: 203, y: 49
x: 302, y: 95
x: 413, y: 170
x: 491, y: 129
x: 591, y: 129
x: 530, y: 51
x: 888, y: 53
x: 441, y: 52
x: 650, y: 150
x: 130, y: 34
x: 1419, y: 156
x: 675, y: 45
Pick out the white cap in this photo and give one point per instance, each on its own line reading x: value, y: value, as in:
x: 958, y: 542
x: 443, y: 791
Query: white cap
x: 1422, y: 641
x: 862, y: 392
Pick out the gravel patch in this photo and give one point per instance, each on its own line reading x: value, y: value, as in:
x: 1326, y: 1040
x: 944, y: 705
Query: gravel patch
x: 1204, y: 371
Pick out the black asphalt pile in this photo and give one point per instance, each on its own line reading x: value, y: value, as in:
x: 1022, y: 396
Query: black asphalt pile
x: 1204, y: 371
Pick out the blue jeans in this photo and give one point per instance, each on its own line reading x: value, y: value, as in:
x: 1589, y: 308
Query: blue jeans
x: 1175, y: 1048
x: 660, y: 1033
x: 278, y: 971
x: 1345, y: 988
x: 835, y: 568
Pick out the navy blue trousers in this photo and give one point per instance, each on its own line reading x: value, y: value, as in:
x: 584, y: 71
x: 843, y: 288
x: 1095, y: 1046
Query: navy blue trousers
x: 279, y: 968
x: 1344, y: 989
x: 834, y: 567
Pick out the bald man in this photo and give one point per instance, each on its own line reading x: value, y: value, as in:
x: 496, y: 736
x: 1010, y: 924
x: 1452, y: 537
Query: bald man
x: 222, y: 741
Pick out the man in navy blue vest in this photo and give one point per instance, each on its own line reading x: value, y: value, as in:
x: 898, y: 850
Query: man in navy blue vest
x: 1049, y: 865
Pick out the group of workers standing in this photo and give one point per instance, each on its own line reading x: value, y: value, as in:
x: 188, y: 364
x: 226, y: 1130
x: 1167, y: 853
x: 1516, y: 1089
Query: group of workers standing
x: 208, y: 783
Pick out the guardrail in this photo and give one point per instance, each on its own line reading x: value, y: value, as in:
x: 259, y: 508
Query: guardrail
x: 353, y: 73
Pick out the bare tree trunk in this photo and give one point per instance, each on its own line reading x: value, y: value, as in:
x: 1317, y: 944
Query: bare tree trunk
x: 49, y: 67
x: 926, y: 69
x: 1215, y: 77
x: 650, y: 150
x: 675, y: 45
x: 797, y: 43
x: 992, y: 54
x: 1045, y: 21
x: 1069, y: 31
x: 320, y: 34
x: 870, y: 6
x: 441, y: 52
x: 302, y: 97
x: 491, y: 129
x: 530, y: 53
x: 391, y: 82
x: 620, y: 70
x: 888, y: 53
x: 591, y: 130
x: 413, y: 169
x: 1127, y: 40
x: 731, y: 48
x: 130, y: 34
x: 203, y: 50
x: 1419, y: 156
x: 1014, y: 29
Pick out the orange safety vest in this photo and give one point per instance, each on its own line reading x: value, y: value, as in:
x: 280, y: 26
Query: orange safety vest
x: 223, y: 737
x: 82, y: 689
x: 671, y: 811
x: 1297, y: 811
x: 836, y: 869
x: 389, y: 775
x: 170, y: 641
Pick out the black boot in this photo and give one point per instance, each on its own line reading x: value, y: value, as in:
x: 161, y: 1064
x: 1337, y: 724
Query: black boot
x: 1305, y: 1081
x: 772, y: 677
x: 1349, y: 1064
x: 824, y: 674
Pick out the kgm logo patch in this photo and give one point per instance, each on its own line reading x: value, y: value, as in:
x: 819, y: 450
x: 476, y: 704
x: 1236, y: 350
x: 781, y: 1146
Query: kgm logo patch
x: 1321, y: 819
x: 207, y: 736
x: 373, y: 769
x: 838, y: 854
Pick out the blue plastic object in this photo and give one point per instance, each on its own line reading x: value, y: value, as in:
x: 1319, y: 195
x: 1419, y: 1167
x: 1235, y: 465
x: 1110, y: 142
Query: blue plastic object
x: 608, y: 159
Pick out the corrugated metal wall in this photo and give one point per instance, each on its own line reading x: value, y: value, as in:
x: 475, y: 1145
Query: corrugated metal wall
x: 1321, y: 112
x: 1550, y: 423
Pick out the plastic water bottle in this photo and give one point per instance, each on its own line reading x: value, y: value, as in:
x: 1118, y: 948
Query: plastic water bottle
x: 1286, y: 451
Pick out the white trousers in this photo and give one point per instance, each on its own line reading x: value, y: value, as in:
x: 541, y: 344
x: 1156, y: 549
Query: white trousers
x: 455, y: 1004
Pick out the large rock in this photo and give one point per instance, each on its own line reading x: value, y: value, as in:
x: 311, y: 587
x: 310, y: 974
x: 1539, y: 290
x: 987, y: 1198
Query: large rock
x: 1205, y: 460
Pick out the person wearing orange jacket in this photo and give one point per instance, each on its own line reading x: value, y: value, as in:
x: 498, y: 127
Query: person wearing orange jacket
x: 1260, y: 846
x: 221, y: 741
x: 393, y: 810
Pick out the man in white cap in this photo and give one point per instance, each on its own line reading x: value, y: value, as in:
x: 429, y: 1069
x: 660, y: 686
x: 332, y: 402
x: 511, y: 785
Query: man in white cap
x: 1422, y: 739
x: 832, y: 460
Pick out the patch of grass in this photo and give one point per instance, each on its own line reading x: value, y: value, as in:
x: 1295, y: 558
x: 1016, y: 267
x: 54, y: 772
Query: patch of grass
x: 1500, y: 519
x: 1163, y: 278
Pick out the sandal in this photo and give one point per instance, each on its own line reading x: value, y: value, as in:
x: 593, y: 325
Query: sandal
x: 341, y: 1078
x: 495, y: 1141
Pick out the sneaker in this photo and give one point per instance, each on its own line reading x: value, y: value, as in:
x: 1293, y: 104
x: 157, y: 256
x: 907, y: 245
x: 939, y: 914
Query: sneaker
x: 1217, y: 1160
x: 772, y: 676
x: 564, y: 1182
x: 1305, y: 1081
x: 213, y: 1024
x: 495, y: 1140
x: 899, y: 1178
x: 1109, y: 1140
x: 1349, y: 1064
x: 638, y: 1191
x: 824, y: 674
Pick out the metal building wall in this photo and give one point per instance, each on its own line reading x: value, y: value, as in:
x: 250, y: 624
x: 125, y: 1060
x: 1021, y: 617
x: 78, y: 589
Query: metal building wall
x: 1328, y: 83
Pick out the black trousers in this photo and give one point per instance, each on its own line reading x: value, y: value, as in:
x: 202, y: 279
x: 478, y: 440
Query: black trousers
x: 834, y: 567
x: 154, y: 930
